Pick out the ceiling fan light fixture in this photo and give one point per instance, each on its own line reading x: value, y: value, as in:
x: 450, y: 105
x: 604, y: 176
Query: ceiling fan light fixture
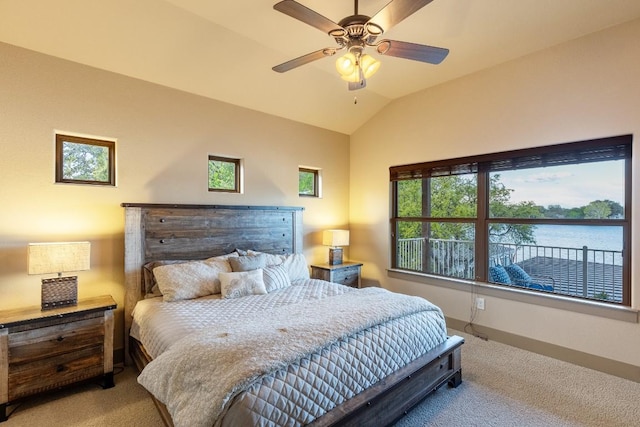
x: 357, y: 32
x: 347, y: 64
x: 369, y: 65
x: 354, y: 77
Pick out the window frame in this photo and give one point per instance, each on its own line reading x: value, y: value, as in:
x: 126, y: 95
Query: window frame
x: 603, y: 149
x: 316, y: 181
x: 237, y: 173
x: 61, y: 138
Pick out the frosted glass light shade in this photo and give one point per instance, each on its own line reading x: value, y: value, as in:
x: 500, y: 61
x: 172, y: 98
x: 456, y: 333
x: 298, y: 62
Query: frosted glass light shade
x: 369, y: 65
x: 346, y: 64
x: 44, y: 258
x: 335, y: 238
x: 352, y: 70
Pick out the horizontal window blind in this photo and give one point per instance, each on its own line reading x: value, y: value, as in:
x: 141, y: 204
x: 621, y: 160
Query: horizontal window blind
x: 596, y: 150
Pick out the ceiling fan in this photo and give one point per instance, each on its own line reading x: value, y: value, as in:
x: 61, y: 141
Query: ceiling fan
x: 357, y: 32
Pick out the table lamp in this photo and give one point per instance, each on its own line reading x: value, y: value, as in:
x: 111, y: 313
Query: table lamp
x: 46, y: 258
x: 335, y: 239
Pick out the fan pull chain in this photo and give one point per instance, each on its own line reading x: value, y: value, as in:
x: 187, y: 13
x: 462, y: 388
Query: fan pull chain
x: 355, y: 100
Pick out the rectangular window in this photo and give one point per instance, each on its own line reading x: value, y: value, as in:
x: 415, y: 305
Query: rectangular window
x: 85, y: 160
x: 308, y: 182
x: 224, y: 174
x: 553, y: 219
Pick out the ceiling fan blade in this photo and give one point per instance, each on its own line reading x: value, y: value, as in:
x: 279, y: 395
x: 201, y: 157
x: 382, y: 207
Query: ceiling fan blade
x: 304, y: 59
x: 395, y: 11
x: 308, y: 16
x: 417, y: 52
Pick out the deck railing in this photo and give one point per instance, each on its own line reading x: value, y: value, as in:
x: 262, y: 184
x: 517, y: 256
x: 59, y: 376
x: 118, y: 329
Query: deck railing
x: 583, y: 272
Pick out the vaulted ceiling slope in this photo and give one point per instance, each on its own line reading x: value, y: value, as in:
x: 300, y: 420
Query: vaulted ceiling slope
x: 224, y: 50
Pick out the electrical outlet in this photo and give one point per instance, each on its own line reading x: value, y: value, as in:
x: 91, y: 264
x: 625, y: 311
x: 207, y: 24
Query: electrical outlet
x: 480, y: 303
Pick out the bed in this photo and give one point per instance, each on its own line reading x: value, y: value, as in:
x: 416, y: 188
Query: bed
x: 375, y: 356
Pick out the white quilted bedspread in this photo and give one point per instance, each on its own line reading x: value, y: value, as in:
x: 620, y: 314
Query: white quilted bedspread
x: 325, y: 368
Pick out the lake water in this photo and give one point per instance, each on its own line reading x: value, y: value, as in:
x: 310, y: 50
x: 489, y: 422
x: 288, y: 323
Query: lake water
x: 577, y: 236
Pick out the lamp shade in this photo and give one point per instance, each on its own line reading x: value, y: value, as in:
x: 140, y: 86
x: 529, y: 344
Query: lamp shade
x: 335, y: 238
x: 346, y: 65
x: 369, y: 65
x: 44, y: 258
x: 354, y: 70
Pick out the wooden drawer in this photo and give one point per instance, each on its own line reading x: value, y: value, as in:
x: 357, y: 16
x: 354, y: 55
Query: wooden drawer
x: 53, y: 340
x: 44, y: 374
x: 319, y: 273
x: 347, y: 276
x: 45, y: 350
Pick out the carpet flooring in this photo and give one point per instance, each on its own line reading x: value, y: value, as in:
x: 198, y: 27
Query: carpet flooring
x: 502, y: 386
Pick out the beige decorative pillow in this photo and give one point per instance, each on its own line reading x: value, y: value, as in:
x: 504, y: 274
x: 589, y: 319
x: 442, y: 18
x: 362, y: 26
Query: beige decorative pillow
x: 247, y: 262
x: 190, y: 279
x: 242, y: 283
x: 150, y: 283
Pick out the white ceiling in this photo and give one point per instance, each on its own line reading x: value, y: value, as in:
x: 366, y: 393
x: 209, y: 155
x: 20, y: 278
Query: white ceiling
x: 225, y: 49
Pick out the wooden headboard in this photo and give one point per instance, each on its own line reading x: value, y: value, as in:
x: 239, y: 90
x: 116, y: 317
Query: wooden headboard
x: 155, y: 232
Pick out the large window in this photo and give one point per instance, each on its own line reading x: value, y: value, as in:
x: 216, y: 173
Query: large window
x: 553, y: 219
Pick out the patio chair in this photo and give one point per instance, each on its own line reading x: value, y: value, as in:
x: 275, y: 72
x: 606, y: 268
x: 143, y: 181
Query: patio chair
x: 514, y: 275
x: 519, y: 277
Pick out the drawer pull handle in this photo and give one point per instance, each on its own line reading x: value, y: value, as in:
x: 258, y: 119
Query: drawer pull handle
x: 59, y: 368
x: 60, y: 338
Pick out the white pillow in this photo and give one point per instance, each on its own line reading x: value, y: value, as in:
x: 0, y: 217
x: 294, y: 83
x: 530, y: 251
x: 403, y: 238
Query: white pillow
x: 275, y: 277
x: 223, y: 257
x: 242, y: 283
x: 270, y: 259
x: 296, y: 265
x: 190, y: 280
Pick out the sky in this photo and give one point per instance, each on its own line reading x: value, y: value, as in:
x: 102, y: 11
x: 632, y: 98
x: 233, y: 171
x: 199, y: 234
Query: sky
x: 568, y: 186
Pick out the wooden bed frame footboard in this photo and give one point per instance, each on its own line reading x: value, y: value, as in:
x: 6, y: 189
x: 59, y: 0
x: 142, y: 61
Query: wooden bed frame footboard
x: 390, y: 399
x: 156, y: 232
x: 382, y: 404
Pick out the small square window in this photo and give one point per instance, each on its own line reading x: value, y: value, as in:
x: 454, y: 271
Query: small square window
x: 224, y: 174
x: 308, y: 182
x: 85, y: 160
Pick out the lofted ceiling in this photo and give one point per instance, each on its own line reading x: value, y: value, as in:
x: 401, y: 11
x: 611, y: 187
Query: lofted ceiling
x: 224, y: 50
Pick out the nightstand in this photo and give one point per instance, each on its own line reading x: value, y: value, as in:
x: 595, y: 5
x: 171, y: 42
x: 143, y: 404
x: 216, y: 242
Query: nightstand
x: 45, y: 350
x: 347, y: 273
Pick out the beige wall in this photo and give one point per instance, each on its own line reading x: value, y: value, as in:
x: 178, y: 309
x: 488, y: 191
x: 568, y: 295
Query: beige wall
x: 163, y: 139
x: 584, y: 89
x: 587, y: 88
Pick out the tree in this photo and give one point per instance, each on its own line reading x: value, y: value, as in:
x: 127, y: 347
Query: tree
x: 222, y: 175
x: 85, y: 162
x: 456, y: 196
x: 616, y: 209
x: 554, y: 211
x: 575, y: 213
x: 597, y: 210
x: 453, y: 196
x: 500, y: 206
x: 306, y: 183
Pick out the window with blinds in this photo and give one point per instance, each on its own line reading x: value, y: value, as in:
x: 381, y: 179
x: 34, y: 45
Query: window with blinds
x: 553, y: 219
